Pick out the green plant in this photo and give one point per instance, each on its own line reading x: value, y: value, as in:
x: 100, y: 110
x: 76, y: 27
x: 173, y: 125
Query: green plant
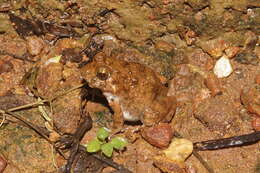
x: 101, y: 143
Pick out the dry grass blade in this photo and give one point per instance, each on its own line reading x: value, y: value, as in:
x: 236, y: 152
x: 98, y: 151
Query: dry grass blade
x: 2, y: 122
x: 27, y: 123
x: 41, y: 102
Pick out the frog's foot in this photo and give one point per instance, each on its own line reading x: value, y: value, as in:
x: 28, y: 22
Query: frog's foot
x: 118, y: 121
x: 150, y: 117
x: 116, y: 131
x: 130, y: 130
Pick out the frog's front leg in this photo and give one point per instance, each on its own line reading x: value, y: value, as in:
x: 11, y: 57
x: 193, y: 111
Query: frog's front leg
x: 118, y: 119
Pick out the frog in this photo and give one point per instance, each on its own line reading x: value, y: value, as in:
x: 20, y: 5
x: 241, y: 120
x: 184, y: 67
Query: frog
x: 133, y: 90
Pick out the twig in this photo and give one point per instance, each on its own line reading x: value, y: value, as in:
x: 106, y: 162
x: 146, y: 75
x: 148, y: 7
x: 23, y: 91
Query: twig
x: 234, y: 141
x: 29, y: 124
x: 66, y: 92
x: 202, y: 161
x: 28, y: 105
x: 23, y: 57
x: 111, y: 163
x: 53, y: 157
x: 4, y: 117
x: 74, y: 141
x: 43, y: 101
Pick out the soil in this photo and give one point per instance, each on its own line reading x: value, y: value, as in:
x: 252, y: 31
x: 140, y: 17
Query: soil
x: 45, y: 46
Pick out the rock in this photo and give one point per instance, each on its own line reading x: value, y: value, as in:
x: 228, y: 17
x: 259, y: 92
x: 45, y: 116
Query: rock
x: 251, y: 40
x: 180, y: 82
x: 256, y: 123
x: 3, y: 164
x: 164, y: 46
x: 232, y: 51
x: 201, y: 95
x: 213, y: 85
x: 214, y: 47
x: 198, y: 4
x: 72, y: 55
x: 250, y: 97
x: 168, y: 165
x: 223, y: 67
x: 48, y: 79
x: 35, y: 45
x: 217, y: 113
x: 257, y: 79
x: 5, y: 66
x: 247, y: 58
x: 158, y: 135
x: 14, y: 46
x: 200, y: 59
x: 190, y: 37
x: 179, y: 150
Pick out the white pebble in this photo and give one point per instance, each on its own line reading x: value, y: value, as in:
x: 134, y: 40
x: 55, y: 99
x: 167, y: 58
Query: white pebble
x: 223, y: 67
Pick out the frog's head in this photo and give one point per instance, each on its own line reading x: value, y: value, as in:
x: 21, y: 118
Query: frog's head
x: 98, y: 74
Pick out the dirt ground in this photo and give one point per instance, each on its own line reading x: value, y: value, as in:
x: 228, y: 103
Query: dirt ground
x: 146, y: 60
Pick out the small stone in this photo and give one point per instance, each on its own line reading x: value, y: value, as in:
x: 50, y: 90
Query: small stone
x: 35, y: 45
x: 167, y: 165
x: 213, y: 85
x: 232, y: 51
x: 3, y: 164
x: 257, y: 79
x: 251, y: 40
x: 247, y: 58
x: 256, y: 123
x: 250, y: 98
x: 214, y: 47
x: 223, y: 67
x: 5, y: 66
x: 158, y: 135
x: 218, y: 114
x: 164, y: 46
x: 190, y: 37
x: 197, y: 4
x: 179, y: 150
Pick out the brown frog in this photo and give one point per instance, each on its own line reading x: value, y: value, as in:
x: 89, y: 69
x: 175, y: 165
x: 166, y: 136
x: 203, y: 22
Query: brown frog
x: 133, y: 90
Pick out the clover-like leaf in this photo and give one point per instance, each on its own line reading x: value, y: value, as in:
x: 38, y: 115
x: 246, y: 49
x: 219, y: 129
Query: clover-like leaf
x: 94, y: 145
x: 118, y: 143
x: 103, y: 133
x: 107, y: 149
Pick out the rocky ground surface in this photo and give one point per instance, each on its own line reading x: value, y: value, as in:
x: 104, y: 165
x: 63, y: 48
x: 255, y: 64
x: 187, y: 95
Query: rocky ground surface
x: 204, y: 55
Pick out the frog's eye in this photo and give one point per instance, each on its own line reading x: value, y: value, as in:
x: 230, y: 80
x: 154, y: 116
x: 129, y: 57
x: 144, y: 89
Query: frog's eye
x: 103, y: 73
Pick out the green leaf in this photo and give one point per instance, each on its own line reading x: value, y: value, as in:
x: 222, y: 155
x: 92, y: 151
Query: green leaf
x: 103, y: 133
x: 107, y: 149
x: 118, y: 143
x: 94, y: 145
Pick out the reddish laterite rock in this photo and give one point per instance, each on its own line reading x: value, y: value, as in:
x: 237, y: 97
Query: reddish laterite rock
x: 159, y: 135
